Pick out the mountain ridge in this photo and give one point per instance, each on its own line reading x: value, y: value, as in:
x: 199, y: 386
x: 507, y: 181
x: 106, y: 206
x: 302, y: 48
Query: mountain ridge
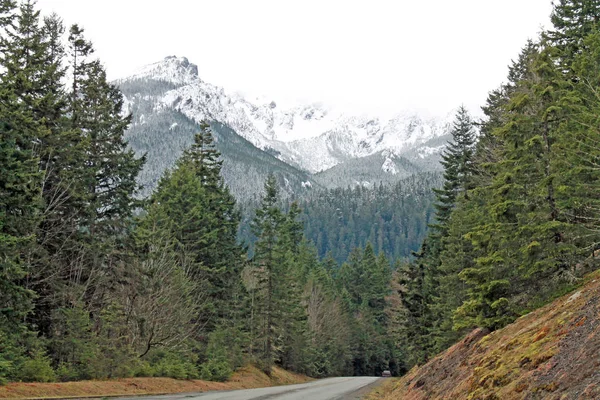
x: 312, y: 137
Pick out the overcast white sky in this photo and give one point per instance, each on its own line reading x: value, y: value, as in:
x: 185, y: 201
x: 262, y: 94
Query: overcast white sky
x: 372, y: 55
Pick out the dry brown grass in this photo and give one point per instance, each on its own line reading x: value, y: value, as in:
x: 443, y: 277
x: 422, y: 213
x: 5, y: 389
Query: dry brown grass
x: 551, y: 353
x: 383, y: 390
x: 245, y: 378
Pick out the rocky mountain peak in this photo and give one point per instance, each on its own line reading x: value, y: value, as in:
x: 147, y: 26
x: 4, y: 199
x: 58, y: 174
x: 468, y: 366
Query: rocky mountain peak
x: 312, y: 136
x: 173, y: 69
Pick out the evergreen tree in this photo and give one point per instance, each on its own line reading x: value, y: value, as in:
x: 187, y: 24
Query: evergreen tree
x: 573, y: 21
x: 416, y: 294
x: 457, y: 161
x: 524, y: 236
x: 19, y: 211
x: 297, y: 263
x: 203, y: 220
x: 431, y: 294
x: 108, y: 176
x: 577, y: 156
x: 19, y: 186
x: 268, y: 260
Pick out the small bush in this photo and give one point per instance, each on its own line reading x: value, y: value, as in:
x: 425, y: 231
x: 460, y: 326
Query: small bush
x: 37, y: 369
x: 216, y: 370
x: 219, y: 356
x: 173, y: 365
x: 144, y: 370
x: 66, y: 372
x: 5, y: 368
x: 12, y: 352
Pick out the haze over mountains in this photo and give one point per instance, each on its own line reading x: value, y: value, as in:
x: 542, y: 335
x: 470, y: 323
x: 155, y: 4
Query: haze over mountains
x: 307, y: 146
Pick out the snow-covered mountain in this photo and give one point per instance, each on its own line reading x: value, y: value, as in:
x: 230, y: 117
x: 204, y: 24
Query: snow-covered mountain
x: 311, y: 137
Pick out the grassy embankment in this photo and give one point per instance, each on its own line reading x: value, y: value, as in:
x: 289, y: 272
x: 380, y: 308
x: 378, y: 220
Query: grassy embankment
x: 245, y: 378
x: 551, y: 353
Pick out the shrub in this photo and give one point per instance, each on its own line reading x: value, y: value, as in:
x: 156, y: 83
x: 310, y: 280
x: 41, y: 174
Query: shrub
x: 219, y: 355
x: 5, y: 368
x: 66, y: 372
x: 12, y: 353
x: 216, y: 370
x: 173, y: 365
x: 144, y: 369
x: 36, y: 369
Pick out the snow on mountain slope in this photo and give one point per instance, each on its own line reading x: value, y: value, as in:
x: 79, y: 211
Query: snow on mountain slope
x: 313, y: 137
x: 172, y: 69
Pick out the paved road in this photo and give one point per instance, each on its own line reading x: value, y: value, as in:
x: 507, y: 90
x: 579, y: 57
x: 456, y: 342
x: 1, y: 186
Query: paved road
x: 324, y: 389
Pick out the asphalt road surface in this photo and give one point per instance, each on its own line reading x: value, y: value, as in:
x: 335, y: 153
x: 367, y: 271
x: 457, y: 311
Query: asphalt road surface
x: 324, y: 389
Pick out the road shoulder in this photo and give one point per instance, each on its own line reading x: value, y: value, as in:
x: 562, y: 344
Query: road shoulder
x: 366, y: 391
x: 377, y: 390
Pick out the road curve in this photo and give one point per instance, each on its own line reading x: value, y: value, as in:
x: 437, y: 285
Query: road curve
x: 323, y: 389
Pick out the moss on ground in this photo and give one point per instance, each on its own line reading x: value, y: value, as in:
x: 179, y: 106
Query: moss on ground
x: 550, y: 353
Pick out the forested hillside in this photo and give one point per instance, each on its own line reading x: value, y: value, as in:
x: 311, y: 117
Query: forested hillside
x: 101, y: 279
x: 98, y: 282
x: 517, y: 217
x: 393, y: 218
x: 163, y: 135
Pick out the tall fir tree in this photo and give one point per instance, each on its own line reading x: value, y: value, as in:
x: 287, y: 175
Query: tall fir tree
x: 19, y: 178
x: 573, y: 21
x: 268, y: 260
x: 204, y: 221
x: 457, y: 160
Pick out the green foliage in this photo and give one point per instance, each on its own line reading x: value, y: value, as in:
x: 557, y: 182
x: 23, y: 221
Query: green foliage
x: 36, y: 369
x: 366, y: 280
x: 526, y: 230
x: 169, y: 364
x: 216, y: 370
x: 19, y: 178
x: 87, y: 291
x: 431, y: 286
x: 394, y: 217
x: 11, y: 355
x: 220, y: 356
x: 74, y: 345
x: 201, y: 215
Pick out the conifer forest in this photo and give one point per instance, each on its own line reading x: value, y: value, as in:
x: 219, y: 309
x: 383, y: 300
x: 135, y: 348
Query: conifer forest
x: 102, y: 279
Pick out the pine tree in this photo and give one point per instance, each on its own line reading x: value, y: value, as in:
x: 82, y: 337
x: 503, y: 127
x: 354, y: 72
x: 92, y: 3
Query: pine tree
x: 34, y: 64
x: 204, y: 221
x: 415, y: 279
x: 19, y: 178
x: 19, y: 212
x: 524, y: 241
x: 79, y: 51
x: 352, y: 278
x: 109, y: 171
x: 268, y: 260
x: 577, y: 154
x: 297, y: 262
x: 573, y: 21
x: 457, y: 161
x: 425, y: 277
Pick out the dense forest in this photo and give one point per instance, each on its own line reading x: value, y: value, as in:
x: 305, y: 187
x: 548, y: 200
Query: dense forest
x: 517, y: 217
x: 99, y: 282
x: 393, y: 218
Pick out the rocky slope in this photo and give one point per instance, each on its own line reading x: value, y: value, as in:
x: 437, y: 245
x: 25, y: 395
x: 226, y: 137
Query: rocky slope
x: 163, y: 135
x: 311, y: 138
x: 552, y: 353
